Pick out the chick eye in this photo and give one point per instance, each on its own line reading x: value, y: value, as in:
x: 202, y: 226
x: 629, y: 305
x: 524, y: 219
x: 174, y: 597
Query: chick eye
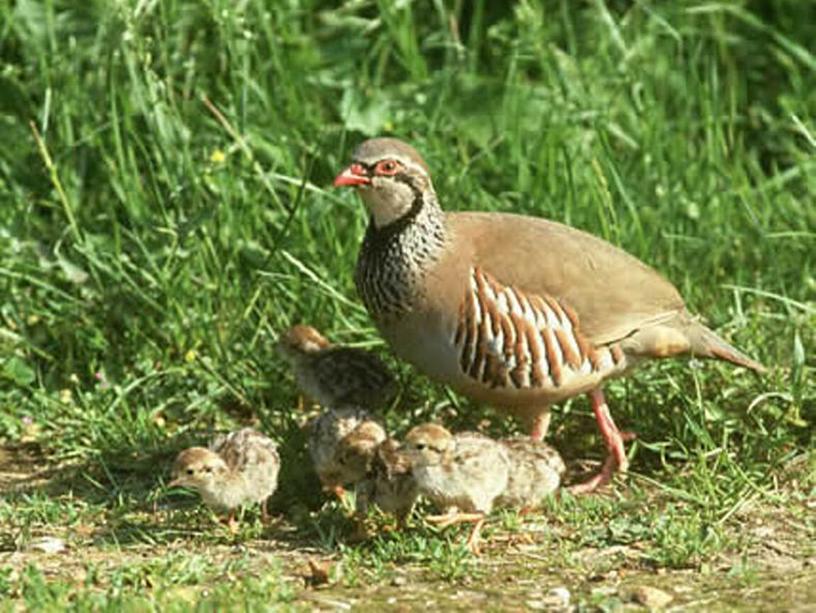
x: 388, y: 167
x: 421, y: 447
x: 190, y: 471
x: 208, y: 469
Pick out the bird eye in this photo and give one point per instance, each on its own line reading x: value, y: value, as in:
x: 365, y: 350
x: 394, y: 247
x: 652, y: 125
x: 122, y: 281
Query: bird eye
x: 388, y: 167
x: 208, y: 469
x: 189, y: 471
x: 420, y: 447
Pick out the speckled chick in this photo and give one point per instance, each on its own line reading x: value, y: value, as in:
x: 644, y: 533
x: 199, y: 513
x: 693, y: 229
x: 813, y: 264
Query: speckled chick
x: 356, y: 451
x: 389, y: 484
x: 341, y: 445
x: 336, y: 376
x: 465, y: 471
x: 536, y: 470
x: 238, y: 469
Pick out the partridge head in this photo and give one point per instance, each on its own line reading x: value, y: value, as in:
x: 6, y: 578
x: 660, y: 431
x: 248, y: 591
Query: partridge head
x: 390, y: 175
x: 430, y: 445
x: 301, y: 340
x: 199, y: 469
x: 514, y: 311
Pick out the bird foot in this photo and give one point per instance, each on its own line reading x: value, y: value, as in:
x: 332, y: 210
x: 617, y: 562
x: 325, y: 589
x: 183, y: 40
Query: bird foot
x: 232, y: 524
x: 475, y: 537
x: 361, y: 532
x: 604, y: 477
x: 451, y: 519
x: 616, y: 460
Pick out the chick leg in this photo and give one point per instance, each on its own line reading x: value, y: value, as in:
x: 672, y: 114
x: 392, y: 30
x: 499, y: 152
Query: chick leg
x: 305, y: 403
x: 475, y: 537
x: 455, y: 517
x: 403, y: 516
x: 616, y: 460
x: 232, y: 523
x: 451, y: 519
x: 264, y: 512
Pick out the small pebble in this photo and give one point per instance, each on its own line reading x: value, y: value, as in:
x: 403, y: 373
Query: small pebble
x: 560, y: 595
x: 651, y: 597
x: 47, y: 544
x: 556, y: 599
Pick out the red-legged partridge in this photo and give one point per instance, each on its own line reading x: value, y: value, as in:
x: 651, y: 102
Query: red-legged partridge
x: 514, y: 311
x: 536, y: 470
x: 336, y: 376
x: 341, y: 445
x: 389, y: 484
x: 462, y: 474
x: 238, y: 469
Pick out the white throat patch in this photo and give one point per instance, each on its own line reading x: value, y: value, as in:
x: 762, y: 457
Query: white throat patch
x: 387, y: 199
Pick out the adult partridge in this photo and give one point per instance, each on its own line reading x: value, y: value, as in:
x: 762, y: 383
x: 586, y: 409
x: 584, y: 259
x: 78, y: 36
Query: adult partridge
x: 334, y: 375
x: 238, y: 469
x: 514, y: 311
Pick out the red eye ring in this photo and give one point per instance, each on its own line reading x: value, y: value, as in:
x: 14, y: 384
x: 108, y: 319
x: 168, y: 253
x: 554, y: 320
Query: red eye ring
x: 388, y: 167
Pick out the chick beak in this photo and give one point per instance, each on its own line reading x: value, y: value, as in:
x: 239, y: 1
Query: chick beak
x: 353, y: 176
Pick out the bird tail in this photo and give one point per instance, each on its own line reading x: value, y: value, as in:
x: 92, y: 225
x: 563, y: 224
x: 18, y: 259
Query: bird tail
x: 705, y: 343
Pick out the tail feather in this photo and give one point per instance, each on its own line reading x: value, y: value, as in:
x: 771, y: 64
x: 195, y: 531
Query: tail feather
x: 705, y: 343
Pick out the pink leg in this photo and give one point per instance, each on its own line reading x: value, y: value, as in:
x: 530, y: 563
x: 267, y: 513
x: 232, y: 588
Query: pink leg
x: 616, y: 460
x: 475, y: 537
x: 453, y: 517
x: 541, y: 423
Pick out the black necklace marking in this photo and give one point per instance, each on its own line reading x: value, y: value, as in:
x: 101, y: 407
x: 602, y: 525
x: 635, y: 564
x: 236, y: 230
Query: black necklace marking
x: 394, y: 258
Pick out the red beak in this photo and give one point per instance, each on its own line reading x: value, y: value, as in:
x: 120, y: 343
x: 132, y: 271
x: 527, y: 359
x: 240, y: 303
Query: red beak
x: 353, y: 176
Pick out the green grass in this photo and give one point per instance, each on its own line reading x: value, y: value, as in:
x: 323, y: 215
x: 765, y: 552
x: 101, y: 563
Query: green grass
x: 165, y: 211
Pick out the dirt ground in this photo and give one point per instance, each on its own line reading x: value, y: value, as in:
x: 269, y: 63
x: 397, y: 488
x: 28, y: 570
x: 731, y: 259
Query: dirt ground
x: 518, y: 570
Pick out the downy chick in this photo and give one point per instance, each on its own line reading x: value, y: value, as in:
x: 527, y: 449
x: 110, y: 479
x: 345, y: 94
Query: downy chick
x: 238, y: 469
